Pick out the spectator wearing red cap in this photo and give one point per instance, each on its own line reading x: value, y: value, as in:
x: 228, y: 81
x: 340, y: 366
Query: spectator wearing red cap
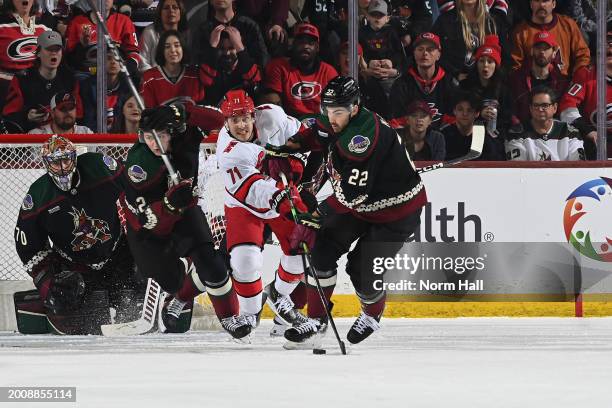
x: 458, y: 135
x: 486, y: 81
x: 541, y: 69
x: 296, y: 82
x: 420, y: 140
x: 224, y: 18
x: 573, y: 50
x: 27, y: 103
x: 63, y: 117
x: 424, y: 80
x: 462, y: 30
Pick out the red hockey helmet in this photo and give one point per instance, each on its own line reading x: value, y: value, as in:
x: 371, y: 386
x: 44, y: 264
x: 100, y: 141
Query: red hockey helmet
x: 237, y: 102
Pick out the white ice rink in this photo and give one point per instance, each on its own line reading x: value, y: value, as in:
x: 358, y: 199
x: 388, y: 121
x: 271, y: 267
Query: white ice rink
x: 482, y: 362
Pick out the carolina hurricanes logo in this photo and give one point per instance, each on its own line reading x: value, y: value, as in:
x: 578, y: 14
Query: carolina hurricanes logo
x: 306, y: 90
x: 87, y: 231
x: 593, y: 117
x: 22, y: 49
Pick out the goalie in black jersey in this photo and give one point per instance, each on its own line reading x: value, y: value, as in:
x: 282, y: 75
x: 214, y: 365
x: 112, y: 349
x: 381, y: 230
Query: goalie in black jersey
x: 378, y: 197
x: 71, y: 241
x: 167, y: 231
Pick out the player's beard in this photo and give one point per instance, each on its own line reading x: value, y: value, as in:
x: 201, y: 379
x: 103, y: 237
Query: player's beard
x: 542, y: 61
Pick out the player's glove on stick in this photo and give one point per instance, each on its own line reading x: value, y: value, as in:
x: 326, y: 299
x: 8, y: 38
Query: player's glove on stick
x: 180, y: 197
x: 301, y: 234
x: 292, y: 167
x: 172, y: 117
x: 280, y: 200
x: 278, y: 151
x: 65, y: 292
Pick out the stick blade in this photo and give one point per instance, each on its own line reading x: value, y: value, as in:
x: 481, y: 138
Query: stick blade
x: 478, y: 137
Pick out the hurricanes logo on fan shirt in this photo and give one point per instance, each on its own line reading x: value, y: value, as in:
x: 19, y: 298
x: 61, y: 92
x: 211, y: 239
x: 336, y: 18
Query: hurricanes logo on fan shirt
x: 306, y: 90
x: 22, y: 49
x: 87, y: 231
x: 586, y: 219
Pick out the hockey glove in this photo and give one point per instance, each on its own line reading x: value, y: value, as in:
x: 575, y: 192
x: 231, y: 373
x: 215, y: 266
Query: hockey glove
x: 172, y: 117
x: 180, y: 197
x: 157, y: 219
x: 281, y: 204
x: 66, y: 292
x: 301, y: 234
x: 278, y: 151
x: 292, y: 167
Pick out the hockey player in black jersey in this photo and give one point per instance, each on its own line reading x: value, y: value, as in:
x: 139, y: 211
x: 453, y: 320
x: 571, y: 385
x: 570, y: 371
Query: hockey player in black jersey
x: 377, y: 198
x: 164, y: 223
x: 70, y: 239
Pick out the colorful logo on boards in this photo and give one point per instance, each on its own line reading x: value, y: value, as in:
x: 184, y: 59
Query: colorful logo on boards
x: 587, y: 219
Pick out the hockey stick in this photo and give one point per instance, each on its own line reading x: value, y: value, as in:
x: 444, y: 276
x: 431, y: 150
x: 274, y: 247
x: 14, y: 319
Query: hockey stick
x: 307, y: 255
x: 142, y: 325
x: 478, y: 136
x: 111, y: 46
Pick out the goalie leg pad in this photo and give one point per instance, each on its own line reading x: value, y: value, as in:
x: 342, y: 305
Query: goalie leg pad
x: 86, y: 320
x: 30, y: 312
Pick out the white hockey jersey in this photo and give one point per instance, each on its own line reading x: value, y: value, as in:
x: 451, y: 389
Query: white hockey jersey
x: 562, y: 143
x: 239, y: 162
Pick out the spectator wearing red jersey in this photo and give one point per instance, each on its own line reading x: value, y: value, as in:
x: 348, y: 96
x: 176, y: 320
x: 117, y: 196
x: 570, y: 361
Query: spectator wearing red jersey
x: 82, y: 37
x: 542, y: 69
x: 230, y: 67
x: 573, y: 50
x: 27, y: 103
x: 172, y: 80
x: 18, y: 35
x: 578, y: 105
x: 296, y: 82
x: 169, y: 15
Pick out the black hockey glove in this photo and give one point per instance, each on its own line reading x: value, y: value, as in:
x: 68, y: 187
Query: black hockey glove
x: 171, y: 117
x: 180, y: 197
x: 278, y: 151
x: 66, y: 292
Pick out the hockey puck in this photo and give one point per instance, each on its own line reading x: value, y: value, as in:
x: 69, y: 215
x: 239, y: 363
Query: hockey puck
x: 319, y: 351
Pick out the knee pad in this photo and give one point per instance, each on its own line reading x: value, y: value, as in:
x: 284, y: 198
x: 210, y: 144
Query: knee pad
x: 292, y: 264
x: 246, y: 262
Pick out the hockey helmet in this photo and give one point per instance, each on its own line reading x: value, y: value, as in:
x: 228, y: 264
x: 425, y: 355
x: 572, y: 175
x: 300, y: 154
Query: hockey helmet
x: 236, y: 103
x: 59, y: 156
x: 340, y: 91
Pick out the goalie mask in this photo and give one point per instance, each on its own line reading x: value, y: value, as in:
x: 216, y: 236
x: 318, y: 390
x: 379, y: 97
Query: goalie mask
x: 59, y: 156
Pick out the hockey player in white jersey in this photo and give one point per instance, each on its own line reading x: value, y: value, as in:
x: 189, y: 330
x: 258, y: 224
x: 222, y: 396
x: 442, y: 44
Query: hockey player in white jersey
x: 255, y: 198
x: 544, y: 138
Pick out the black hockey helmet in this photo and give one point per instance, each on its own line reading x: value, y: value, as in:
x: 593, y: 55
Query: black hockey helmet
x: 340, y: 91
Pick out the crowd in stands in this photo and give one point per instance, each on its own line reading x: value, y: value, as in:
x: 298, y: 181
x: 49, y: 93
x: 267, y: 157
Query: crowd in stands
x: 523, y: 69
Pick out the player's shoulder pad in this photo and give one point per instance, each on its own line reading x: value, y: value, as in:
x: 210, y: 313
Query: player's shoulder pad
x: 360, y: 138
x: 41, y: 192
x: 96, y: 166
x: 141, y: 163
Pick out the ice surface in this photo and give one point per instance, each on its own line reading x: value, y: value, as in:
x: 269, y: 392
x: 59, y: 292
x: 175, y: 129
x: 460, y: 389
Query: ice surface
x: 480, y: 362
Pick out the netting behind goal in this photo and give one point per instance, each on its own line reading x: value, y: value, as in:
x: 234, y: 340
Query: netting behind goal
x: 21, y: 165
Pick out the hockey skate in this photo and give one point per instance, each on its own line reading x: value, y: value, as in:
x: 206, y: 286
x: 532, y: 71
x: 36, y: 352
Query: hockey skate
x: 283, y: 307
x: 306, y: 335
x: 237, y: 327
x: 362, y: 328
x: 170, y: 319
x: 279, y: 327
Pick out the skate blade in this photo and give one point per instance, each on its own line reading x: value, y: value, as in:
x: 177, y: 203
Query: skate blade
x: 315, y: 341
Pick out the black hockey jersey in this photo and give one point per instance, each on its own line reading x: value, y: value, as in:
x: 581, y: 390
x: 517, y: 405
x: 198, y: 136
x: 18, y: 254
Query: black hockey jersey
x: 82, y: 224
x: 370, y: 171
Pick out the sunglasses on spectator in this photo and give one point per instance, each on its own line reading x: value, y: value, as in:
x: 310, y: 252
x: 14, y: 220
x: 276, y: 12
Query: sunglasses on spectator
x: 542, y: 106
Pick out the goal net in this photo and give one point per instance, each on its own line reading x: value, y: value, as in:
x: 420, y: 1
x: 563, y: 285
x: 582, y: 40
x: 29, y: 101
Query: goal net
x: 21, y: 165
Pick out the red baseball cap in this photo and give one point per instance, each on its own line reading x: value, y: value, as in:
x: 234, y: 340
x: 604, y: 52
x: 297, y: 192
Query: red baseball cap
x: 306, y: 29
x: 429, y: 37
x: 419, y: 105
x: 545, y: 37
x: 489, y: 51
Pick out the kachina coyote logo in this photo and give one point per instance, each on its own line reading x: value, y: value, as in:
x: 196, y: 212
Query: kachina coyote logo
x: 587, y: 219
x: 87, y: 230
